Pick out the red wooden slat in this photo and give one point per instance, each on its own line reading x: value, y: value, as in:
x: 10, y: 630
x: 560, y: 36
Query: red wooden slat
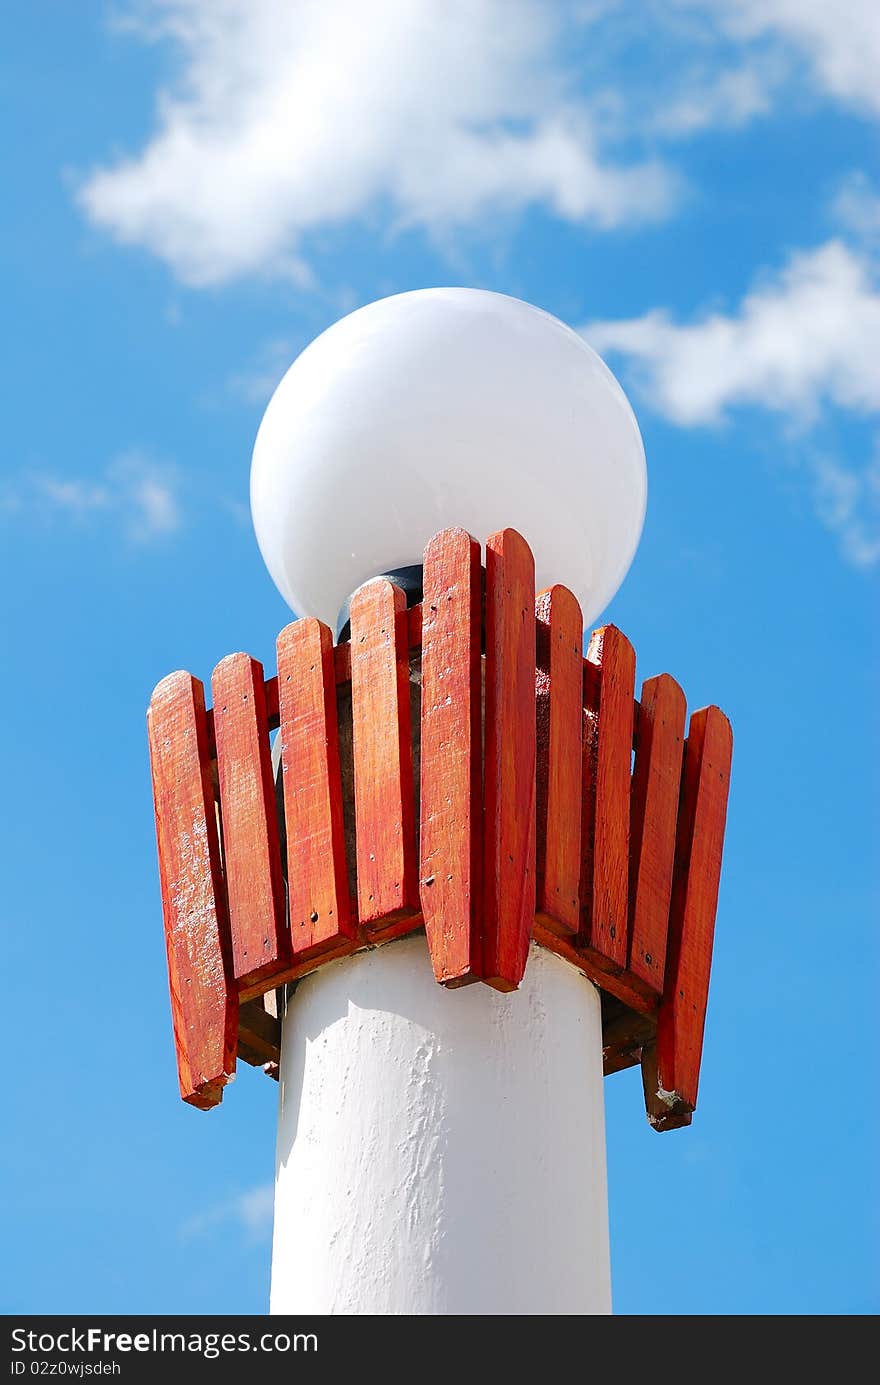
x: 341, y: 671
x: 387, y: 861
x: 559, y: 696
x: 671, y: 1087
x: 321, y: 916
x: 608, y: 739
x: 615, y: 983
x: 509, y: 772
x: 251, y: 845
x: 655, y: 790
x: 204, y: 998
x: 451, y: 754
x: 342, y: 652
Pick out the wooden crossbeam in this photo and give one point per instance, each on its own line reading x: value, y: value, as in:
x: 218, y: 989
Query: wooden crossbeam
x: 259, y: 1032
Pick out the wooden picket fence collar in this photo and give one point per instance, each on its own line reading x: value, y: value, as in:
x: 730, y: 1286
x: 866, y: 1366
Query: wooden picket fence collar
x: 527, y: 819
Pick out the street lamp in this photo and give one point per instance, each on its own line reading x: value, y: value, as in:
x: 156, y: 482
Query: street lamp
x: 454, y: 776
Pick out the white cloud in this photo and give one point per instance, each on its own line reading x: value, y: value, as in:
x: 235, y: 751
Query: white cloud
x: 724, y: 62
x: 252, y: 1210
x: 708, y: 99
x: 156, y: 505
x: 848, y: 503
x: 798, y: 342
x: 283, y: 119
x: 137, y: 494
x: 840, y: 39
x: 76, y: 496
x: 857, y: 207
x: 807, y: 336
x: 286, y: 118
x: 256, y: 383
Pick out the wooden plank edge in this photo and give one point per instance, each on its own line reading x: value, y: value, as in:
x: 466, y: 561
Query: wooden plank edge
x: 365, y: 942
x: 582, y: 961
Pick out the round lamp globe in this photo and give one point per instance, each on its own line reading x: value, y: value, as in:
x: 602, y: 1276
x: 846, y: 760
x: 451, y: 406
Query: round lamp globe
x: 439, y: 408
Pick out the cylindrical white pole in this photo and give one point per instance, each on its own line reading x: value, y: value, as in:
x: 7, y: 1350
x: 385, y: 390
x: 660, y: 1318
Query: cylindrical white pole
x: 440, y: 1152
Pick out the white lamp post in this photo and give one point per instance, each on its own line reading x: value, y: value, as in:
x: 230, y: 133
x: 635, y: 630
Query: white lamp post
x: 443, y: 1151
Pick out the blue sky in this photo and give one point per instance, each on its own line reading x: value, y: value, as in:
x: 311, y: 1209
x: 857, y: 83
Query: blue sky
x: 195, y: 188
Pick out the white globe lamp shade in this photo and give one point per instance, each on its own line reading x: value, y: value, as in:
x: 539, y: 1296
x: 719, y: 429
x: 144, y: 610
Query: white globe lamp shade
x: 439, y: 408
